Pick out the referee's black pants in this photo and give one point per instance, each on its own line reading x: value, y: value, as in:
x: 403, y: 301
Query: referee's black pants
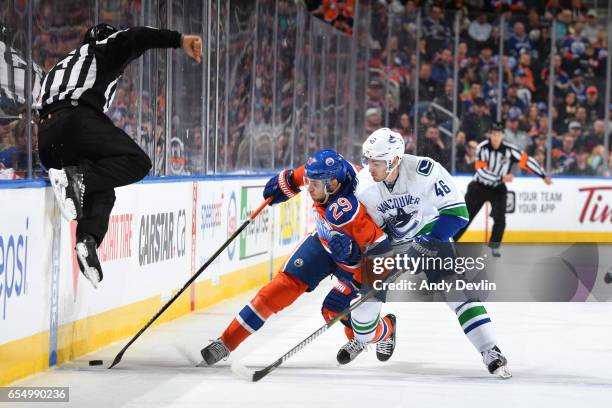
x: 109, y: 158
x: 477, y: 194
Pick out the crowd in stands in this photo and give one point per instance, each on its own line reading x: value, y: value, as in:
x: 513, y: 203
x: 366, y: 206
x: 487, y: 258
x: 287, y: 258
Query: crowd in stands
x: 577, y: 110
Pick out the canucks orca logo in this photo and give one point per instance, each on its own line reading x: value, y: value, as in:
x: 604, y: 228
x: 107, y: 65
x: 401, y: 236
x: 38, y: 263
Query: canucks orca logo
x: 391, y: 139
x: 424, y: 167
x: 329, y: 161
x: 402, y: 218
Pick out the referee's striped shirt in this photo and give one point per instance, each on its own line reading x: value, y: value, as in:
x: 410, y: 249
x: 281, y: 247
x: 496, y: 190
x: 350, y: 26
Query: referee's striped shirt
x: 493, y: 164
x: 13, y: 69
x: 90, y: 73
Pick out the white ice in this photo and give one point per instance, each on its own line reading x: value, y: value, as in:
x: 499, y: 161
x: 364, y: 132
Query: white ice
x: 560, y: 355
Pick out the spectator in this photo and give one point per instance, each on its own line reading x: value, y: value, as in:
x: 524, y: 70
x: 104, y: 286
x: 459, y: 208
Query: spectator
x: 582, y: 117
x: 462, y: 54
x: 490, y: 89
x: 539, y: 143
x: 427, y: 86
x: 434, y: 147
x: 577, y: 85
x: 534, y: 21
x: 594, y: 108
x: 573, y: 45
x: 575, y: 130
x: 596, y: 137
x: 487, y: 61
x: 375, y: 94
x: 373, y: 119
x: 580, y: 166
x: 541, y: 128
x: 601, y: 45
x: 443, y: 68
x: 524, y: 65
x: 597, y: 159
x: 472, y: 67
x: 460, y: 147
x: 477, y: 122
x: 563, y: 23
x: 532, y: 116
x: 436, y: 29
x: 564, y: 156
x: 466, y: 162
x: 480, y: 30
x: 562, y: 81
x: 592, y: 27
x: 591, y: 64
x: 513, y: 100
x: 518, y: 41
x: 446, y: 101
x: 392, y: 107
x: 540, y: 156
x: 514, y: 135
x: 405, y: 130
x: 567, y: 111
x: 468, y: 97
x: 523, y: 92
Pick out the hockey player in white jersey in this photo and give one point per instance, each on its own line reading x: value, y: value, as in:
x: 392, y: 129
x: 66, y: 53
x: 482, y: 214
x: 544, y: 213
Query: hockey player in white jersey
x: 415, y: 200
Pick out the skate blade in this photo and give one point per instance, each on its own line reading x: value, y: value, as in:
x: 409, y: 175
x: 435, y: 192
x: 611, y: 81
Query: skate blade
x: 503, y: 373
x: 90, y: 273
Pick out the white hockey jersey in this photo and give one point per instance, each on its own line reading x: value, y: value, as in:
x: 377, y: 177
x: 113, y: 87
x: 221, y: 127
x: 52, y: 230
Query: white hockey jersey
x: 422, y: 192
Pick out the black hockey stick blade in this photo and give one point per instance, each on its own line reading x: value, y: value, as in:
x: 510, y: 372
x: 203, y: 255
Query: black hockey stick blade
x: 255, y: 213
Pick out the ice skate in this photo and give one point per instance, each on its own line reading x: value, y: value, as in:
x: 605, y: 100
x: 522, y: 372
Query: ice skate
x: 214, y: 352
x: 385, y: 348
x: 349, y: 351
x: 496, y: 363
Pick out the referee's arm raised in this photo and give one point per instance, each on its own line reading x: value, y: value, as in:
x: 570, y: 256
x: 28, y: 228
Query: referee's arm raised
x: 529, y: 163
x: 126, y: 45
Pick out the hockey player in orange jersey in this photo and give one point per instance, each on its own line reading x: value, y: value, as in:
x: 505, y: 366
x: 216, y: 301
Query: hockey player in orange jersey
x: 343, y: 232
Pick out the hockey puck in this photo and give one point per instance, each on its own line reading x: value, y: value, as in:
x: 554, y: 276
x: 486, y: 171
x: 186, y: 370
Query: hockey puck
x: 95, y: 362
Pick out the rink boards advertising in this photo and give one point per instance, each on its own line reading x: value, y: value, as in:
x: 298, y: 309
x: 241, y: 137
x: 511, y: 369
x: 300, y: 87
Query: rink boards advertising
x: 160, y: 232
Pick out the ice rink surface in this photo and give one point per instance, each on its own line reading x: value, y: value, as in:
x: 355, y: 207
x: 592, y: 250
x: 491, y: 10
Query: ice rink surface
x: 560, y: 355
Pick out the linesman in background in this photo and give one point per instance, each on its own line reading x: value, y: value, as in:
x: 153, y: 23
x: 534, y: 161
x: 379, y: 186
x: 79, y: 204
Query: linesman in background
x: 494, y: 160
x: 86, y: 154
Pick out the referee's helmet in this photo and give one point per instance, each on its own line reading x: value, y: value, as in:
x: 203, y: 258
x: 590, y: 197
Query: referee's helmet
x: 98, y: 33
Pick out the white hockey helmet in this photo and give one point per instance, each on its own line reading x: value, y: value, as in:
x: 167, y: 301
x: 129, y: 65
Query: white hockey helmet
x: 384, y: 144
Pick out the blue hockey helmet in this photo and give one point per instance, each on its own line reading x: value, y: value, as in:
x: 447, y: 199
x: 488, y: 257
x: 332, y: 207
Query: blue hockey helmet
x: 325, y: 165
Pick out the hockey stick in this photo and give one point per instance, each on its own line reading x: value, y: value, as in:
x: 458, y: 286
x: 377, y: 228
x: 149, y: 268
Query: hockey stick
x: 191, y: 280
x: 256, y: 375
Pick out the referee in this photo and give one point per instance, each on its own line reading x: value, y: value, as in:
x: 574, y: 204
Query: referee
x: 87, y: 156
x: 494, y: 160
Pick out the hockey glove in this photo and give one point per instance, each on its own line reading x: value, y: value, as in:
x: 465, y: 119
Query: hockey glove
x: 338, y: 299
x: 280, y: 187
x: 343, y: 248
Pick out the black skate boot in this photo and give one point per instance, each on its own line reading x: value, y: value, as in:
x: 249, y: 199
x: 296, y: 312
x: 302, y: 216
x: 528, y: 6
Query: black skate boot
x: 69, y: 190
x: 496, y: 363
x: 214, y: 352
x: 349, y: 351
x: 88, y: 259
x: 385, y: 348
